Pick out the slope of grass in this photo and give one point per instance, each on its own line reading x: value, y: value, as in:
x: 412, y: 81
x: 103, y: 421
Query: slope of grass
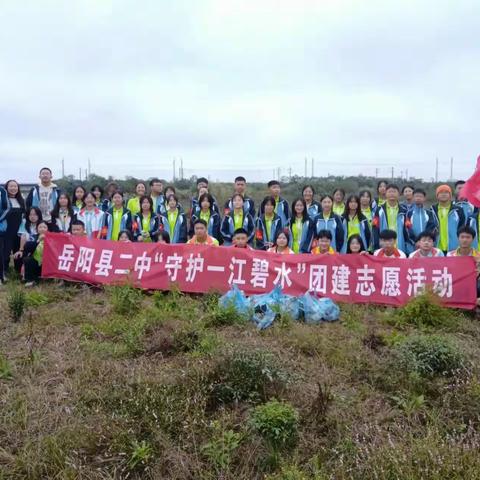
x: 108, y: 384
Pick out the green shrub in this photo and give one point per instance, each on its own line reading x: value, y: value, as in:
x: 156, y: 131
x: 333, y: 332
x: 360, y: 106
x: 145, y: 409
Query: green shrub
x: 17, y: 303
x: 222, y: 447
x: 425, y: 310
x: 5, y: 369
x: 36, y: 298
x: 126, y: 299
x: 221, y: 316
x: 277, y: 423
x: 244, y: 375
x: 140, y: 455
x: 429, y: 355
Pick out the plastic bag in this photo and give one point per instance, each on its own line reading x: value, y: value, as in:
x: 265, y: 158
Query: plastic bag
x: 235, y: 298
x: 290, y: 305
x: 270, y: 298
x: 317, y: 309
x: 263, y: 316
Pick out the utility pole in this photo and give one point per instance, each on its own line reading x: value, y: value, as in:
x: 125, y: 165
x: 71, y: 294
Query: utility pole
x: 86, y: 175
x: 290, y: 174
x: 80, y: 173
x: 436, y: 170
x: 312, y: 166
x: 89, y: 167
x: 305, y: 167
x: 174, y: 168
x: 376, y: 172
x: 406, y: 174
x: 181, y: 169
x: 451, y: 168
x: 392, y: 172
x: 63, y: 168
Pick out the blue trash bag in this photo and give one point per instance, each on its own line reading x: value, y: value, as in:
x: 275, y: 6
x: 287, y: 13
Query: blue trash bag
x: 236, y: 298
x: 290, y: 305
x: 263, y: 316
x: 331, y: 311
x: 317, y: 309
x: 270, y: 298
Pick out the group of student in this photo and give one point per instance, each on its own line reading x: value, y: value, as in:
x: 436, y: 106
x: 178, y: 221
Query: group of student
x: 394, y: 223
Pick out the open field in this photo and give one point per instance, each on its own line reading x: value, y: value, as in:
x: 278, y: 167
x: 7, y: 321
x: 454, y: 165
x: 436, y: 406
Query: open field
x: 115, y: 383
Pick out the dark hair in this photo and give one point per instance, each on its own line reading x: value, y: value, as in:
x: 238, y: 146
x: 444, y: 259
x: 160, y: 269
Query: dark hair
x: 325, y: 234
x: 304, y: 213
x: 285, y: 232
x: 140, y: 183
x: 27, y: 217
x: 87, y: 194
x: 468, y: 230
x: 44, y: 222
x: 170, y: 187
x: 310, y: 187
x: 44, y: 168
x: 240, y: 231
x: 240, y: 179
x: 426, y: 233
x: 267, y: 199
x: 235, y: 195
x: 341, y: 190
x: 127, y: 232
x: 204, y: 196
x: 202, y: 180
x: 380, y: 182
x: 119, y: 192
x: 174, y: 196
x: 75, y: 188
x: 407, y: 186
x: 201, y: 221
x: 459, y: 182
x: 358, y: 213
x: 99, y: 188
x: 357, y: 237
x: 112, y: 184
x: 421, y: 191
x: 155, y: 180
x: 271, y: 183
x: 77, y: 222
x: 18, y: 196
x: 391, y: 186
x: 326, y: 196
x: 55, y: 213
x: 164, y: 235
x: 150, y: 202
x: 365, y: 192
x: 388, y: 235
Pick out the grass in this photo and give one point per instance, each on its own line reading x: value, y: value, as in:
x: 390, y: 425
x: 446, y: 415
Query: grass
x: 123, y: 384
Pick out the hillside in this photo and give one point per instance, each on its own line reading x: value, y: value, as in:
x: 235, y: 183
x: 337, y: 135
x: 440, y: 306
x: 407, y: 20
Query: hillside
x: 115, y: 383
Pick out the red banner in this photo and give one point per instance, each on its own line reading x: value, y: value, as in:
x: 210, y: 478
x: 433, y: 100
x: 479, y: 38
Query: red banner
x: 347, y: 278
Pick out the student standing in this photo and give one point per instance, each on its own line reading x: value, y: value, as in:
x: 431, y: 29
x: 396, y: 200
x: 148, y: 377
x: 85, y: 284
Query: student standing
x: 301, y: 227
x: 267, y: 225
x: 462, y: 202
x: 92, y: 217
x: 110, y: 189
x: 205, y: 211
x: 366, y: 206
x: 448, y: 219
x: 236, y: 219
x: 117, y: 218
x: 338, y: 201
x: 391, y: 216
x: 77, y: 198
x: 313, y: 207
x: 354, y: 222
x: 97, y: 190
x: 4, y: 209
x: 146, y: 223
x: 240, y: 187
x: 174, y: 221
x: 407, y: 194
x: 134, y: 203
x: 14, y: 219
x: 381, y: 194
x: 62, y: 214
x: 281, y: 205
x: 327, y: 220
x: 156, y: 193
x: 44, y: 195
x: 418, y: 219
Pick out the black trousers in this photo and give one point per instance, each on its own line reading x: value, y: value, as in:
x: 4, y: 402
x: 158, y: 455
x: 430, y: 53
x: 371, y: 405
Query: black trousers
x: 11, y: 245
x: 2, y: 252
x: 32, y: 269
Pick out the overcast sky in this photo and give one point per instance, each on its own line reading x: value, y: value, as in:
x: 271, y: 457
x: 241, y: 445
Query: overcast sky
x: 239, y: 86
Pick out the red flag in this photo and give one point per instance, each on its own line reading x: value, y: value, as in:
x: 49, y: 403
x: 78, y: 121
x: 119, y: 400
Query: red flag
x: 471, y: 189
